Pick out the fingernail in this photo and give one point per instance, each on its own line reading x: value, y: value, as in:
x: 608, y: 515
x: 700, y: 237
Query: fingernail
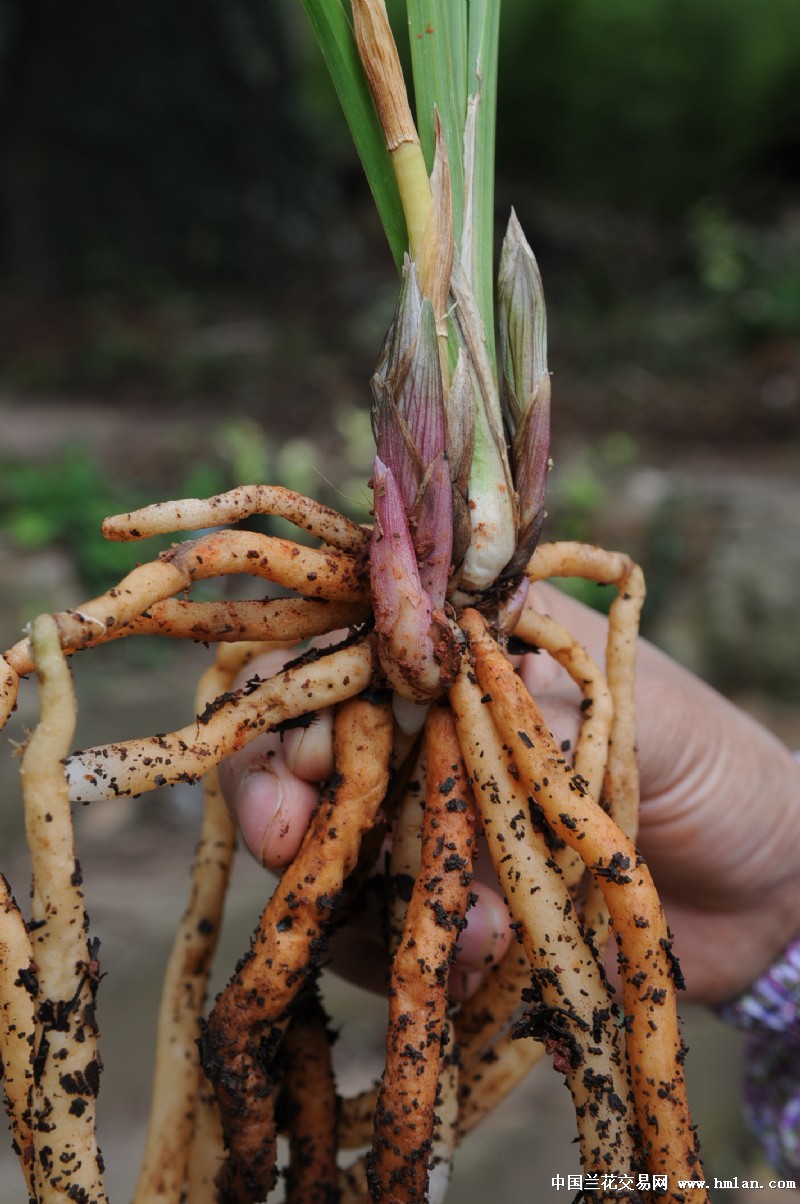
x: 259, y: 804
x: 292, y: 743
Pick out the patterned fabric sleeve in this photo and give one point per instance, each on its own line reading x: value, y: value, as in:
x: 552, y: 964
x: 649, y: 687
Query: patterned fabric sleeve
x: 770, y: 1012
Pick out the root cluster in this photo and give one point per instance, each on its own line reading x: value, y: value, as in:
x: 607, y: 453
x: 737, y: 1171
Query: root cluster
x: 559, y: 828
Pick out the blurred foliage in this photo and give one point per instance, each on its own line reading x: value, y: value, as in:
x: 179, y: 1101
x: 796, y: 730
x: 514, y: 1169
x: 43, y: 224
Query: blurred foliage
x: 577, y: 493
x: 144, y: 144
x: 650, y: 106
x: 750, y: 274
x: 62, y: 505
x: 174, y: 344
x: 61, y: 502
x: 250, y: 455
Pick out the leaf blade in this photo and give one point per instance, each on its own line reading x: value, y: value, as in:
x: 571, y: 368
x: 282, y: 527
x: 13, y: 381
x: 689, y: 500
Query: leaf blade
x: 332, y: 29
x: 438, y: 32
x: 484, y: 38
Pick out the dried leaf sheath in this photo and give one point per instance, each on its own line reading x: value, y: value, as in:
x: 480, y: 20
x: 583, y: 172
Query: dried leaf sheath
x: 247, y: 1023
x: 404, y: 1116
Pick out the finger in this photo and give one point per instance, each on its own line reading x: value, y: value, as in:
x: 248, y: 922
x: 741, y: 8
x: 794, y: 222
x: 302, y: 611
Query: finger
x: 271, y: 805
x: 267, y: 784
x: 487, y: 934
x: 482, y: 943
x: 358, y: 949
x: 559, y: 704
x: 587, y: 625
x: 360, y: 958
x: 668, y: 697
x: 308, y: 751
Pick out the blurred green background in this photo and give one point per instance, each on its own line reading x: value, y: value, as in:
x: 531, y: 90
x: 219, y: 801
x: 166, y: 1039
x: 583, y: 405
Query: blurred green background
x: 189, y: 257
x: 193, y: 290
x: 152, y: 149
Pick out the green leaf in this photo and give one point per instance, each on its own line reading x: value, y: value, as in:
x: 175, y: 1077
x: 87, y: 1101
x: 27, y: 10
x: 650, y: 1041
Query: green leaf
x: 437, y: 31
x: 334, y: 33
x: 484, y: 35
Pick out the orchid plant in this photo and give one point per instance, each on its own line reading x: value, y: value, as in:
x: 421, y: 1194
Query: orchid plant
x: 435, y: 740
x: 462, y: 446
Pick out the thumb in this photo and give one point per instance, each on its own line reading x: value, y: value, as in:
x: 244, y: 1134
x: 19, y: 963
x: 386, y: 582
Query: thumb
x: 268, y: 785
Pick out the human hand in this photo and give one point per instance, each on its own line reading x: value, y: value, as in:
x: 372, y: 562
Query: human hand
x: 720, y: 808
x: 272, y: 788
x: 719, y: 824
